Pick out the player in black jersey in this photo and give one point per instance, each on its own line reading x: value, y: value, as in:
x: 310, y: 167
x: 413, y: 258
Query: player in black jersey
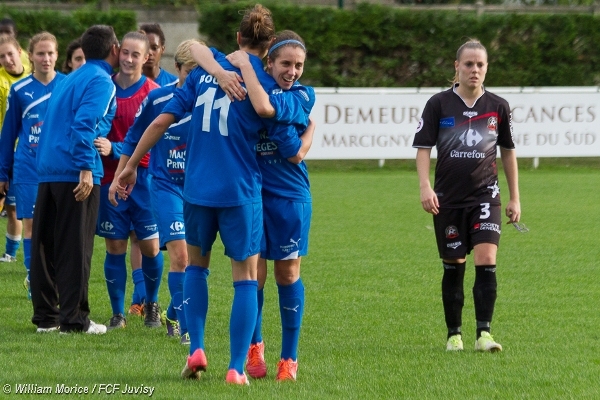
x: 466, y: 123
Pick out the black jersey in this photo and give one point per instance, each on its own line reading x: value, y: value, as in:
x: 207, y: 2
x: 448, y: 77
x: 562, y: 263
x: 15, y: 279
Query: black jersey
x: 466, y: 140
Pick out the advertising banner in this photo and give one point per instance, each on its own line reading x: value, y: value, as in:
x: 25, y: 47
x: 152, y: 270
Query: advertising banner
x: 372, y: 123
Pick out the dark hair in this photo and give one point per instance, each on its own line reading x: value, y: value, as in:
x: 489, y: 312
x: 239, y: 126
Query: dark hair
x: 257, y: 28
x: 74, y: 45
x: 9, y: 22
x: 155, y: 29
x: 137, y: 35
x: 282, y: 37
x: 97, y: 41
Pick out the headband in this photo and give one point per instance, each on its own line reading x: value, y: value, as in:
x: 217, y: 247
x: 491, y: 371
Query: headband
x: 284, y: 42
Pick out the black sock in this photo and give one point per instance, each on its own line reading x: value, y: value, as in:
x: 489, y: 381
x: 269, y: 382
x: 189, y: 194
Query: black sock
x: 453, y: 296
x: 484, y: 296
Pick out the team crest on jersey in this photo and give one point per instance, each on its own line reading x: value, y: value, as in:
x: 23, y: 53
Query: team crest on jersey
x: 451, y: 232
x: 470, y: 114
x: 492, y: 125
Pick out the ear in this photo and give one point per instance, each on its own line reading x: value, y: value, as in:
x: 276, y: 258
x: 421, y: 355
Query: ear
x: 238, y: 38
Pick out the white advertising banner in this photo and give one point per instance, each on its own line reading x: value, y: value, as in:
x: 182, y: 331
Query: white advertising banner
x: 371, y: 123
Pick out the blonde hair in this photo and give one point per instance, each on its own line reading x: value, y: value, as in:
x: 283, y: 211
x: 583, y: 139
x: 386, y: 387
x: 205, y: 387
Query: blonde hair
x: 471, y: 44
x: 41, y: 37
x: 9, y: 39
x: 183, y: 55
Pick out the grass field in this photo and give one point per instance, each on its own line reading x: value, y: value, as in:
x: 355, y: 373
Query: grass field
x: 373, y: 326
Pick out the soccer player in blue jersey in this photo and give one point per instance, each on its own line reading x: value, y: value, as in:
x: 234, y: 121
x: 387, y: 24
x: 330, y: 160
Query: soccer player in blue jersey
x: 75, y: 57
x: 23, y: 124
x: 12, y: 69
x: 69, y: 170
x: 287, y: 205
x: 152, y: 69
x: 115, y: 221
x: 167, y: 165
x: 221, y: 191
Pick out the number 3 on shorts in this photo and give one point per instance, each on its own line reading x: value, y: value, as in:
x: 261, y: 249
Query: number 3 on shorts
x: 485, y: 210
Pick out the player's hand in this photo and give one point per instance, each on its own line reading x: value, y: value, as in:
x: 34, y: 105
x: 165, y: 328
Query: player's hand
x: 429, y: 201
x: 112, y: 193
x: 85, y: 186
x: 4, y: 187
x: 230, y: 83
x: 125, y: 182
x: 103, y: 146
x: 513, y: 211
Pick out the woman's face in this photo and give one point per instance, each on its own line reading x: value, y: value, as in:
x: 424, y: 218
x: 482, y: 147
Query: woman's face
x: 44, y: 56
x: 132, y: 56
x: 155, y: 52
x: 77, y: 59
x: 10, y: 59
x: 184, y: 71
x: 287, y: 68
x: 471, y: 68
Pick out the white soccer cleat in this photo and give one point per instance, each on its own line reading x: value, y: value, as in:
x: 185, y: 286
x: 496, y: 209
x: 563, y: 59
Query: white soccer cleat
x: 454, y: 343
x: 486, y: 343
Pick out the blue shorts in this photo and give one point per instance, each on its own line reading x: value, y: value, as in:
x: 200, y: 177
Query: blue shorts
x: 167, y: 207
x: 26, y: 194
x: 133, y: 214
x: 11, y: 197
x: 286, y: 226
x: 240, y: 228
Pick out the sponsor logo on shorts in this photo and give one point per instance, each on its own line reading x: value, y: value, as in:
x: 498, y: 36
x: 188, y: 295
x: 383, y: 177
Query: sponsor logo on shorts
x: 107, y: 226
x: 454, y: 245
x: 487, y: 226
x: 177, y: 226
x: 451, y: 232
x: 151, y: 228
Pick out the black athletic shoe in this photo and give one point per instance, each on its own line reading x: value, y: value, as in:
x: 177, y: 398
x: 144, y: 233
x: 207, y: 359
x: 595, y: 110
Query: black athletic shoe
x: 117, y: 321
x: 152, y: 315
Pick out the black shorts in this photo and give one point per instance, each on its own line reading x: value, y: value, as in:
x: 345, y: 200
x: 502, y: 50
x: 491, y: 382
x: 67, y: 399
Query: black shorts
x: 458, y: 230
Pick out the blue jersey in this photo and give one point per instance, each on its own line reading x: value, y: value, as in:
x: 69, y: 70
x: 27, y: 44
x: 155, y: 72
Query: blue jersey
x: 222, y: 169
x: 282, y: 178
x: 26, y: 109
x: 166, y: 78
x: 167, y: 157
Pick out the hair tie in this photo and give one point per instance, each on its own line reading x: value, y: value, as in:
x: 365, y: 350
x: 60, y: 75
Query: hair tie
x: 283, y: 42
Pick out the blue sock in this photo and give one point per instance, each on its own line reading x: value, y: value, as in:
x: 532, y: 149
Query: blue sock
x: 115, y: 272
x: 27, y: 255
x: 12, y: 244
x: 195, y: 294
x: 175, y: 281
x: 152, y: 268
x: 242, y: 322
x: 257, y: 335
x: 291, y: 309
x: 139, y: 287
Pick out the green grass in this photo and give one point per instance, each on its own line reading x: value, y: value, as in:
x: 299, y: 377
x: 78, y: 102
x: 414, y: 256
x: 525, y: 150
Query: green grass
x: 373, y: 326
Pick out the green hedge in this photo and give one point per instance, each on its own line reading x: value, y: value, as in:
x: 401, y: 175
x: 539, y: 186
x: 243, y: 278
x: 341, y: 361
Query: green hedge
x: 67, y: 27
x: 378, y: 46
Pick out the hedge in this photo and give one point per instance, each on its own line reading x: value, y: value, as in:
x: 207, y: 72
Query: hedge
x: 378, y: 46
x: 66, y: 27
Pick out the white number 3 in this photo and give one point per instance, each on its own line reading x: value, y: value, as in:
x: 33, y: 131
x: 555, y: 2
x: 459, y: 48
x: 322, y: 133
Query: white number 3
x: 485, y: 210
